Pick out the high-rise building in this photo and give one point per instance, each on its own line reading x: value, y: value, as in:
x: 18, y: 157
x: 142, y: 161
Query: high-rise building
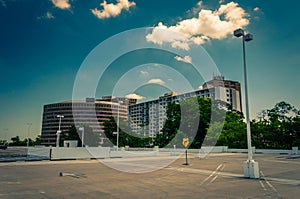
x: 234, y: 86
x: 90, y: 112
x: 148, y: 118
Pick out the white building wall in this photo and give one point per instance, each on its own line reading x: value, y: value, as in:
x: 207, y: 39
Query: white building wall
x: 153, y: 113
x: 221, y: 94
x: 236, y: 100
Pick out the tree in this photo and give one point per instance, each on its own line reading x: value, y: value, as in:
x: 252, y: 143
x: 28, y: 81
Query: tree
x: 3, y: 142
x: 90, y: 138
x: 71, y: 134
x: 234, y: 133
x: 190, y: 118
x: 15, y: 141
x: 171, y: 125
x: 277, y: 128
x: 37, y: 140
x: 126, y: 136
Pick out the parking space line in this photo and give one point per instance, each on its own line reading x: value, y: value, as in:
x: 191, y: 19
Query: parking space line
x: 268, y: 183
x: 218, y: 173
x: 212, y: 175
x: 262, y: 185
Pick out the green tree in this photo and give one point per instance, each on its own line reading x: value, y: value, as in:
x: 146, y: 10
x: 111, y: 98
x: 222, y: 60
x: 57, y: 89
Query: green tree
x: 277, y: 128
x: 190, y: 118
x: 90, y: 138
x: 37, y: 140
x: 234, y: 133
x: 71, y: 134
x: 15, y: 141
x: 126, y: 136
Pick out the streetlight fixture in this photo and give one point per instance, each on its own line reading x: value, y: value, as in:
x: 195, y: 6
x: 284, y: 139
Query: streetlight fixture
x: 251, y: 168
x: 59, y: 131
x: 29, y: 125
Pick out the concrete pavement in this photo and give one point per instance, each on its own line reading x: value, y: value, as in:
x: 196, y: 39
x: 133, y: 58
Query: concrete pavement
x: 216, y: 176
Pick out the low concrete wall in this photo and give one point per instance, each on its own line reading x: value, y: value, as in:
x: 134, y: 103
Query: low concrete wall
x: 99, y: 152
x: 63, y: 153
x: 206, y: 149
x: 294, y: 151
x: 239, y: 150
x: 25, y: 154
x: 106, y: 152
x: 39, y: 153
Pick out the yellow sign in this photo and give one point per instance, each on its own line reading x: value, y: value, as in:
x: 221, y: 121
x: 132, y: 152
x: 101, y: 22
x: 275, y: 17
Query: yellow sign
x: 185, y: 142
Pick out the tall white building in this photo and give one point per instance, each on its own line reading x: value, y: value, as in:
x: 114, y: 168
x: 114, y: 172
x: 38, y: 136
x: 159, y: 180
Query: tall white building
x: 147, y: 118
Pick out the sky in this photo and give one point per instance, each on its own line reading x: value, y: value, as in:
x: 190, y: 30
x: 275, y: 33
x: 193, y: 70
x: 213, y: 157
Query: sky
x: 46, y: 44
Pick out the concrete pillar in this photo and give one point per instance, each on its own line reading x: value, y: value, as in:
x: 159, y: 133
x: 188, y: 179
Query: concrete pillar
x: 251, y: 169
x: 295, y: 150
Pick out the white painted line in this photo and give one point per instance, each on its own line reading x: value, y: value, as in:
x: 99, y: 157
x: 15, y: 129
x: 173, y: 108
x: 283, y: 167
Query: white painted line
x: 218, y: 173
x: 212, y: 174
x: 268, y: 183
x: 213, y: 179
x: 262, y: 185
x: 3, y: 182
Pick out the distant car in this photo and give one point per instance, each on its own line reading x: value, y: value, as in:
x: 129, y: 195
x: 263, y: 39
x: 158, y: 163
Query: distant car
x: 3, y: 147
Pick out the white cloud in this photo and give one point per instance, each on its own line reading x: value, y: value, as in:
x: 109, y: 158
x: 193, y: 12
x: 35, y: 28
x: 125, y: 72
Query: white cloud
x: 112, y: 10
x: 144, y: 73
x: 62, y: 4
x: 135, y: 96
x: 256, y: 9
x: 199, y: 4
x: 186, y: 59
x: 156, y: 81
x: 210, y: 24
x: 48, y: 15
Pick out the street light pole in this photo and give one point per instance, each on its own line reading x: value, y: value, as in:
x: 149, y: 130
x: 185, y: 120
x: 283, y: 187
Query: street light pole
x: 59, y: 131
x: 118, y: 123
x: 251, y: 168
x: 250, y: 154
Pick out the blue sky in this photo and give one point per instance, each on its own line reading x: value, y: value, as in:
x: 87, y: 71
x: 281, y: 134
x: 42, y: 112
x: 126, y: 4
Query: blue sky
x: 44, y: 43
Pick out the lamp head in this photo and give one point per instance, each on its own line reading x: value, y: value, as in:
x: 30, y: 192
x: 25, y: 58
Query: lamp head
x: 248, y: 37
x: 238, y: 32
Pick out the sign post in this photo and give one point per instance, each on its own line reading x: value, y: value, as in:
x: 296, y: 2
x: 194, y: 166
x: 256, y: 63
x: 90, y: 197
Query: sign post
x: 185, y: 143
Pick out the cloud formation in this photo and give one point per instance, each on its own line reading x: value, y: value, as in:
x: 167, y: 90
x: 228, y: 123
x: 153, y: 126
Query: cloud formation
x: 156, y: 81
x: 210, y: 24
x: 186, y: 59
x: 48, y: 15
x: 256, y: 9
x: 134, y: 96
x: 144, y: 72
x: 112, y: 10
x: 62, y: 4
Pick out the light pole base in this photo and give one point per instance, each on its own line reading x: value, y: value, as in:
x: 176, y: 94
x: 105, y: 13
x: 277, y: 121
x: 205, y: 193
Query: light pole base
x: 251, y: 169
